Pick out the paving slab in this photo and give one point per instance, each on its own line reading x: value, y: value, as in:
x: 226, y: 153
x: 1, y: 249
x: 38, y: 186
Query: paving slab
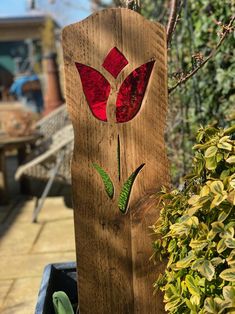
x: 26, y: 248
x: 23, y: 266
x: 22, y: 297
x: 18, y: 238
x: 53, y: 210
x: 5, y: 286
x: 56, y: 236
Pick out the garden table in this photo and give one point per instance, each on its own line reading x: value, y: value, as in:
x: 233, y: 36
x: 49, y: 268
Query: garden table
x: 8, y: 143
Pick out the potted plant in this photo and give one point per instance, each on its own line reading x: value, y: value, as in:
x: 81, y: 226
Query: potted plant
x: 57, y: 277
x: 195, y: 231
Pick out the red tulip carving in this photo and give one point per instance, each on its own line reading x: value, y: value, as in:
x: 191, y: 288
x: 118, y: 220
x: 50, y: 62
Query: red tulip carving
x: 131, y: 92
x: 129, y: 99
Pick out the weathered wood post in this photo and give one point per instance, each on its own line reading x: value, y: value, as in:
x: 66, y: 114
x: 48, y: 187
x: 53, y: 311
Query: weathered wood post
x: 116, y: 92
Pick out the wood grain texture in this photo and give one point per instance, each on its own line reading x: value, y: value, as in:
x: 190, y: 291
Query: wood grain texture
x: 113, y: 250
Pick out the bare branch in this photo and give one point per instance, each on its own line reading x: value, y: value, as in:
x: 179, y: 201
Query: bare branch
x: 227, y: 30
x: 173, y: 18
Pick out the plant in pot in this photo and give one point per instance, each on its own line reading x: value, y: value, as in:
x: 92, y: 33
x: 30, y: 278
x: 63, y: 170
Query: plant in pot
x: 195, y: 231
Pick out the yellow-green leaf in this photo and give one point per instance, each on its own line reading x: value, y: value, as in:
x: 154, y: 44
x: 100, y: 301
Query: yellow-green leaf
x: 231, y: 259
x: 207, y: 269
x: 186, y: 262
x: 217, y: 227
x: 198, y: 244
x: 231, y: 197
x: 219, y: 157
x: 221, y: 246
x: 191, y: 285
x: 229, y: 295
x: 230, y: 243
x: 211, y: 151
x: 217, y: 187
x: 204, y: 191
x: 218, y: 199
x: 225, y: 146
x: 228, y: 274
x: 231, y: 160
x: 211, y: 163
x: 224, y: 213
x: 193, y: 199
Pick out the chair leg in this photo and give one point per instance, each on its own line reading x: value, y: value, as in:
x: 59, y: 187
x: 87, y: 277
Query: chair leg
x: 40, y: 201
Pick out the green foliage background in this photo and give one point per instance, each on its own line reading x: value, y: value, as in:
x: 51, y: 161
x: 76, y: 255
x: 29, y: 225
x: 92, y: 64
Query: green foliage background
x: 209, y: 96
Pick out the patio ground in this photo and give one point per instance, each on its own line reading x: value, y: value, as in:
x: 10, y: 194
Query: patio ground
x: 26, y: 248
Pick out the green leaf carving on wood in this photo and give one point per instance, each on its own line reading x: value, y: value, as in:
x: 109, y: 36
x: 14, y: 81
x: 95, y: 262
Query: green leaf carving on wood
x: 126, y: 190
x: 108, y: 184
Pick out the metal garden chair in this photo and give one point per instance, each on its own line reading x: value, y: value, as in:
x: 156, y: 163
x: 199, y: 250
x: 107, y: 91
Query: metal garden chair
x: 50, y: 159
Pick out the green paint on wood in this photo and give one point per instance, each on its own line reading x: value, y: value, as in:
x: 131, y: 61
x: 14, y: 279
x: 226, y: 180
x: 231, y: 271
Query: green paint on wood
x: 126, y: 190
x: 108, y: 184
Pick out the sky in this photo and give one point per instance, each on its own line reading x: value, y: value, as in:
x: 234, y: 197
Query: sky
x: 64, y: 11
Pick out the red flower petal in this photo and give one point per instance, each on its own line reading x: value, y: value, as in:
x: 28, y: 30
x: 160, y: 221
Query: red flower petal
x: 115, y: 62
x: 131, y: 92
x: 96, y: 89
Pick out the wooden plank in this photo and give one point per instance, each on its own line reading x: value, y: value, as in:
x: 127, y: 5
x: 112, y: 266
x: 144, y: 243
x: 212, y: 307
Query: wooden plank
x: 113, y: 250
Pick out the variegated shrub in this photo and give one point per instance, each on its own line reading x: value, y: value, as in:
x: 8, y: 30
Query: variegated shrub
x: 195, y: 231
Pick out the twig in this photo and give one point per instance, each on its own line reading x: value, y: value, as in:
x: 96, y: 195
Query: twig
x: 210, y: 56
x: 173, y: 18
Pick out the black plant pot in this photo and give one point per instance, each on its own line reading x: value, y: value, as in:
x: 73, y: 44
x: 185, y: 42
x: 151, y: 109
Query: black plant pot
x: 57, y: 277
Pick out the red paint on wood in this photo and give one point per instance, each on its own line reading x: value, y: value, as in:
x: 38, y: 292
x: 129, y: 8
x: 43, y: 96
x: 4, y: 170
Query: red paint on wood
x: 96, y: 89
x: 131, y: 92
x: 115, y: 62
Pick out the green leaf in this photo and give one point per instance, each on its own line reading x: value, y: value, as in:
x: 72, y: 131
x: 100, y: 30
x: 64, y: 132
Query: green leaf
x: 224, y: 213
x: 225, y: 146
x: 221, y: 246
x: 191, y: 285
x: 205, y: 268
x: 230, y: 243
x: 217, y: 261
x: 217, y: 227
x: 215, y: 306
x: 224, y: 174
x: 217, y: 187
x: 126, y: 190
x: 185, y: 262
x: 231, y: 259
x: 227, y: 233
x: 198, y: 245
x: 211, y: 163
x: 229, y: 295
x: 231, y: 160
x: 211, y: 151
x: 228, y: 274
x: 219, y: 157
x: 108, y: 184
x: 218, y: 199
x: 210, y: 306
x: 62, y: 304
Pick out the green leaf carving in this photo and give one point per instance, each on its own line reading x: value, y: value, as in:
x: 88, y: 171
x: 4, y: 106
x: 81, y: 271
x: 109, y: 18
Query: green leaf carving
x: 126, y: 190
x: 108, y: 184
